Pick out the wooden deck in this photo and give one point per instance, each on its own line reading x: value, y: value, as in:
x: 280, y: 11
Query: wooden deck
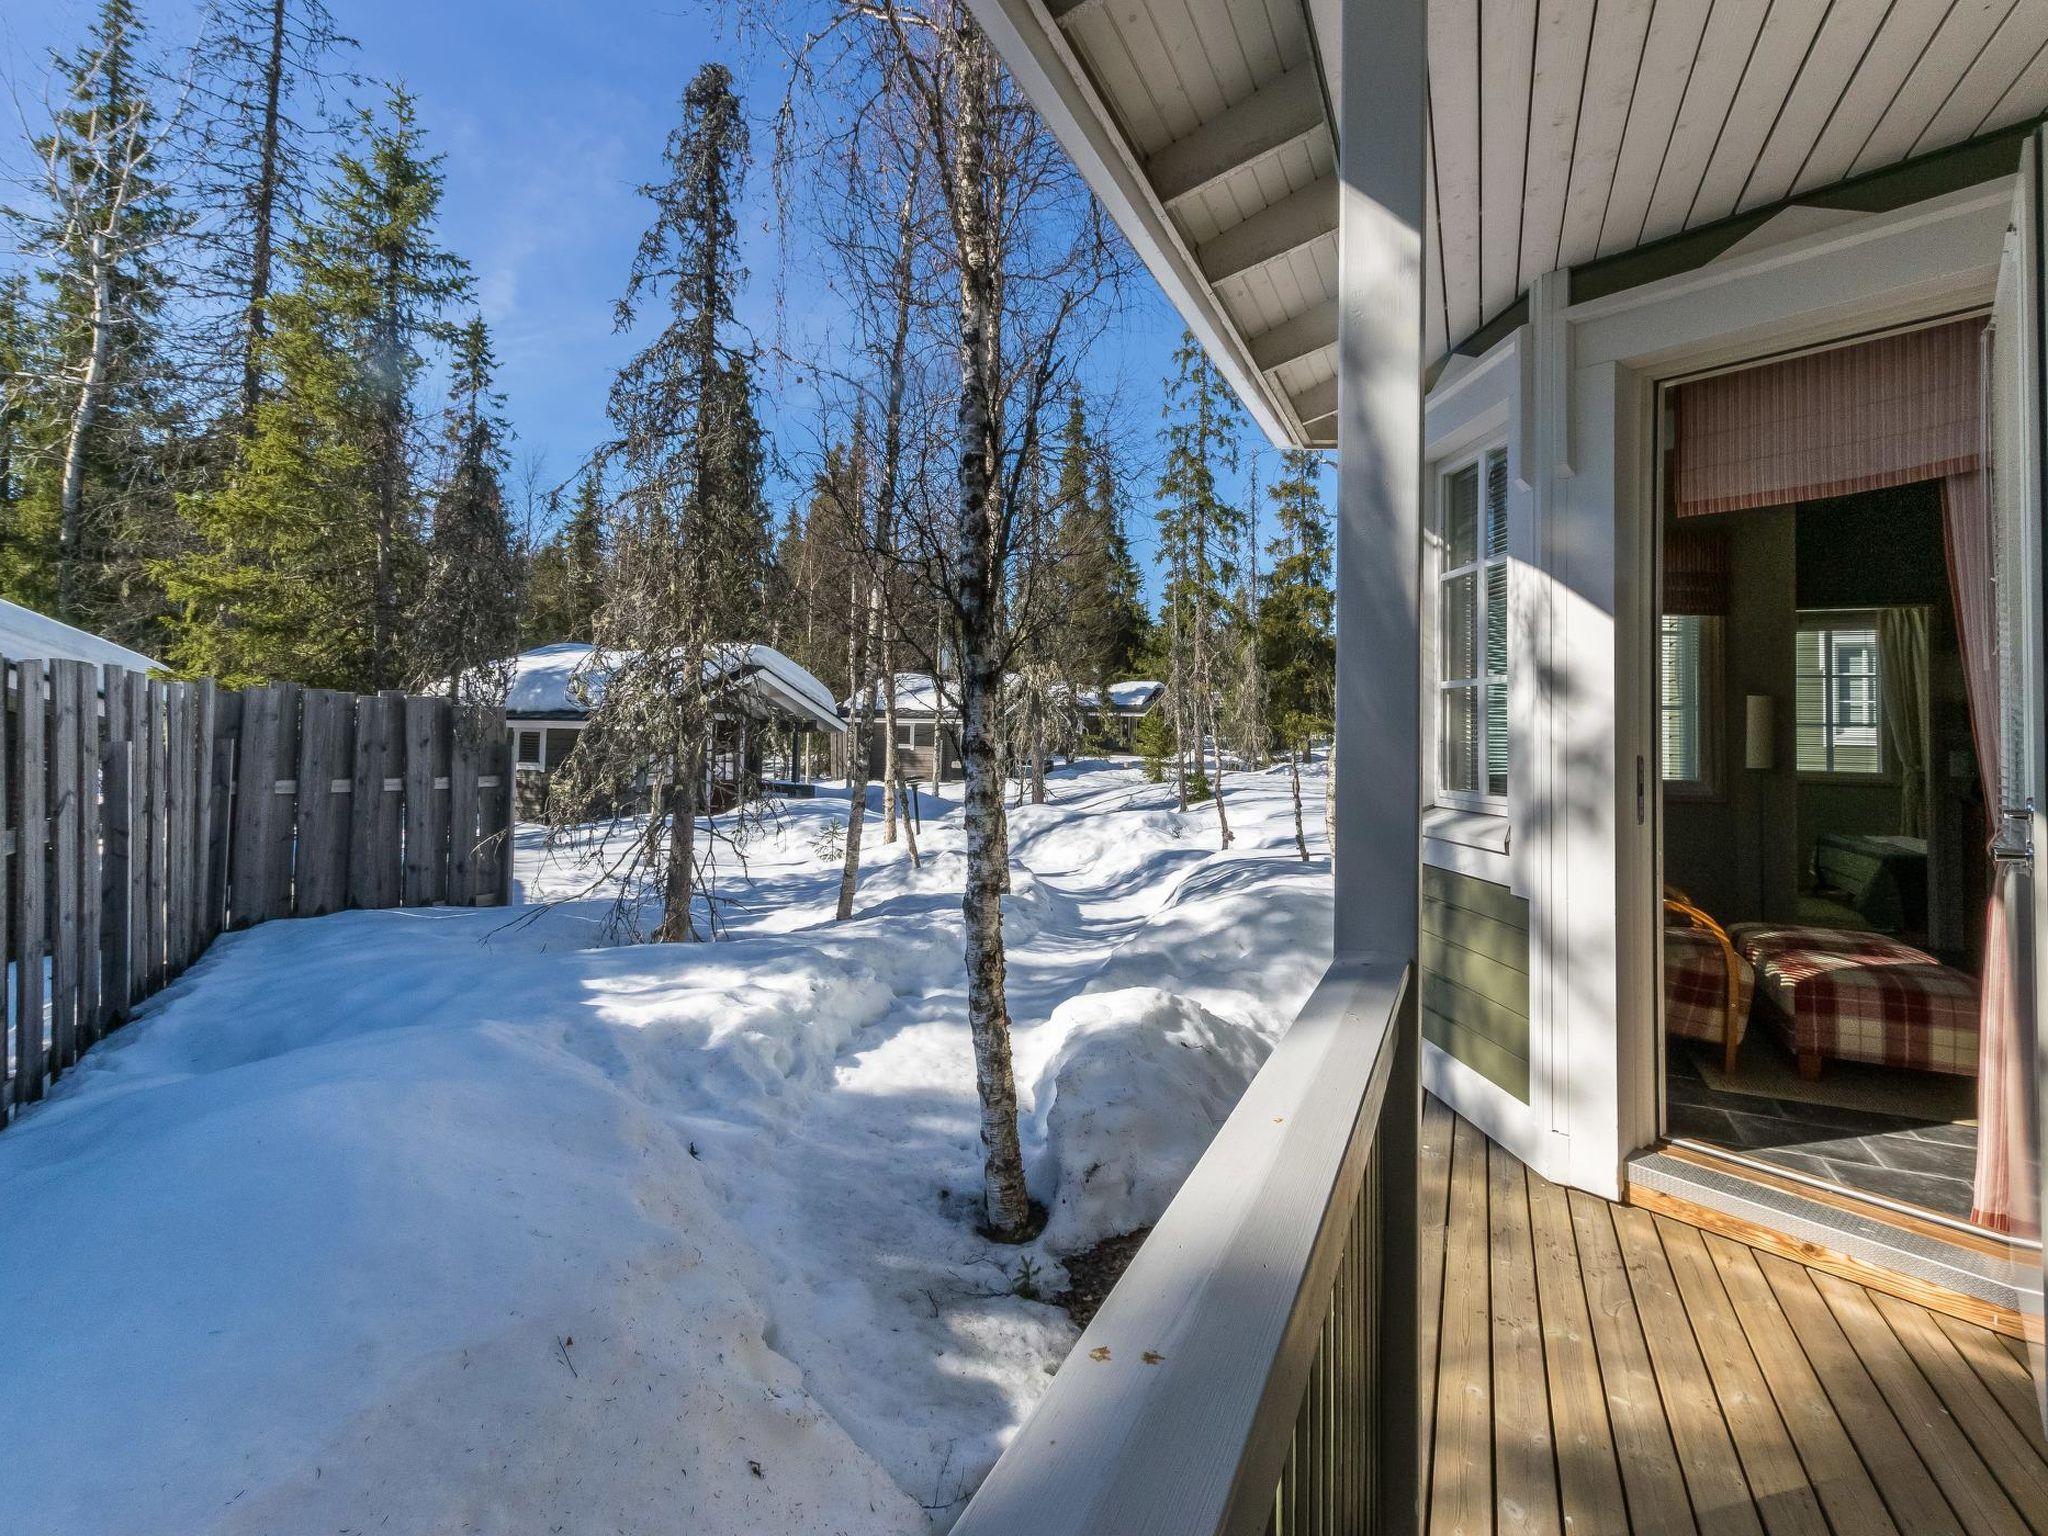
x: 1597, y: 1368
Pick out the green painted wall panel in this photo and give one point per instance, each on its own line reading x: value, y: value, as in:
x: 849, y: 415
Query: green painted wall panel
x: 1475, y: 975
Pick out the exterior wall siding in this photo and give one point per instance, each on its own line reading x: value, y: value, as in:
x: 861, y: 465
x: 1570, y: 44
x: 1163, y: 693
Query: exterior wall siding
x: 1475, y: 976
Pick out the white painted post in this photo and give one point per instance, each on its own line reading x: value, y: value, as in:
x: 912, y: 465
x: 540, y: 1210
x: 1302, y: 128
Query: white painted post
x: 1383, y: 67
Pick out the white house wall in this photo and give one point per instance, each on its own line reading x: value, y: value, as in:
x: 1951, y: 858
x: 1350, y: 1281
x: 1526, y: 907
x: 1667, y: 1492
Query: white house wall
x: 1574, y: 394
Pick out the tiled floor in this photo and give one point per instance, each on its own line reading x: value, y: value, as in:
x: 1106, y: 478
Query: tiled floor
x: 1927, y: 1163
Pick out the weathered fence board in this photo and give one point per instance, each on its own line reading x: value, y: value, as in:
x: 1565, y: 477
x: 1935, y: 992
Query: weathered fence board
x: 117, y: 812
x: 92, y: 969
x: 376, y: 833
x: 156, y: 888
x: 221, y: 800
x: 31, y: 866
x: 143, y: 817
x: 64, y: 864
x: 426, y: 801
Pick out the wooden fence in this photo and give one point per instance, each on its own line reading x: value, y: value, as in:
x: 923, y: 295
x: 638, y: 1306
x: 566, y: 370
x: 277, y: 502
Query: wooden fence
x: 144, y: 817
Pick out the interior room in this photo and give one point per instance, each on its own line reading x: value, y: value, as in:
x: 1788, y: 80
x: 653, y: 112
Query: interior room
x: 1824, y: 823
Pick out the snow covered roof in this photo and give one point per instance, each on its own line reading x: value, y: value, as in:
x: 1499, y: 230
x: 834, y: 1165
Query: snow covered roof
x: 1134, y: 697
x: 917, y: 693
x: 543, y: 682
x: 26, y: 635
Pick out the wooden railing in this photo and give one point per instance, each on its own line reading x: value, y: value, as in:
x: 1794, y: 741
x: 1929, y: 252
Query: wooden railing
x: 143, y: 817
x: 1255, y: 1370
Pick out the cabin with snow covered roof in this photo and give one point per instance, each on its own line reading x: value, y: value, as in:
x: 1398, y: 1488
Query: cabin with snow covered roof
x: 26, y: 635
x: 554, y: 688
x: 927, y: 730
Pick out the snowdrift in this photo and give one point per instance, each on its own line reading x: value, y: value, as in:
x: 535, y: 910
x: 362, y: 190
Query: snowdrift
x: 425, y: 1220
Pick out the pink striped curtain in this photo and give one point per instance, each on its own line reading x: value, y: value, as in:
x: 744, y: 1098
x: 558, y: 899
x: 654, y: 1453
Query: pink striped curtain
x: 1999, y: 1201
x: 1886, y: 412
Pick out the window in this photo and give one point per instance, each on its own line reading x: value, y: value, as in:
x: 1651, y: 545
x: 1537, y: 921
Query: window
x: 560, y: 744
x: 1472, y: 630
x: 1689, y: 649
x: 1838, y: 695
x: 913, y: 733
x: 529, y: 749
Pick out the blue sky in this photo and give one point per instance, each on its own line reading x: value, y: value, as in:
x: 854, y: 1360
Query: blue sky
x: 550, y: 113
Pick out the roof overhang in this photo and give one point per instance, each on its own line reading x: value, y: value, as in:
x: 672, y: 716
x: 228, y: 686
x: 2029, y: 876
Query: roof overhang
x: 1157, y: 190
x: 1204, y: 126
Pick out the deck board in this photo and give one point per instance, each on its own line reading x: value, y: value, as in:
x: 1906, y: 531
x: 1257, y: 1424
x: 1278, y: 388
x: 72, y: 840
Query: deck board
x: 1595, y: 1368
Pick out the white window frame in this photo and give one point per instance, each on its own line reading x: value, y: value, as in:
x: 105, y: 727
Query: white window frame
x: 1828, y: 621
x: 1439, y: 575
x: 1713, y: 633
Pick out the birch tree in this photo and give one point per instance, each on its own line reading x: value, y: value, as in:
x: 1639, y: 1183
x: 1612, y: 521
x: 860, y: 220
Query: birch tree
x: 1027, y: 259
x: 1201, y: 530
x: 97, y: 228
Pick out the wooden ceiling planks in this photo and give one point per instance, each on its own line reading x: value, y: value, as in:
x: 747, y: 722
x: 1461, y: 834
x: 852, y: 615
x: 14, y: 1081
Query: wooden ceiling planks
x: 1557, y: 93
x: 1845, y: 36
x: 1559, y: 131
x: 1775, y: 65
x: 1507, y: 62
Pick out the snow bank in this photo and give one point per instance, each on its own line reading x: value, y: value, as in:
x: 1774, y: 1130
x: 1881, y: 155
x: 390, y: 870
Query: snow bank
x: 428, y: 1221
x: 1128, y: 1104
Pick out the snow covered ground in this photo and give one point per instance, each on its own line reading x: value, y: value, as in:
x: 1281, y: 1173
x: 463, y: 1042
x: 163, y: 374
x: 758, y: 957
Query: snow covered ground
x: 432, y: 1221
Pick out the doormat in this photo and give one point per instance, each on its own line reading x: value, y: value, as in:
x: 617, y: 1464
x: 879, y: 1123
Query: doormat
x: 1766, y: 1070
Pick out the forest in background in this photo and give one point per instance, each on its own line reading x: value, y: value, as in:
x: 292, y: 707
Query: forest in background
x: 249, y: 423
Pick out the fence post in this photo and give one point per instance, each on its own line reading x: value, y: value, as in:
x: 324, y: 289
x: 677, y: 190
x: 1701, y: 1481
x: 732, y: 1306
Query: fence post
x: 177, y: 882
x: 463, y: 771
x: 9, y: 862
x: 64, y: 782
x: 507, y: 810
x: 426, y: 839
x: 198, y: 927
x: 157, y: 765
x: 92, y: 1000
x: 31, y: 833
x: 326, y: 756
x: 117, y: 823
x: 374, y: 818
x: 220, y: 800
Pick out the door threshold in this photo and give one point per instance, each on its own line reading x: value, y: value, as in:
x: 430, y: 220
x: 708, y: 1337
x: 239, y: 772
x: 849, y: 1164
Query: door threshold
x: 1918, y: 1256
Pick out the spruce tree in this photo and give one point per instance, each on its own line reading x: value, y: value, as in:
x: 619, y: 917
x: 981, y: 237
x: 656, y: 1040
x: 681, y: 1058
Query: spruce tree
x: 1297, y: 633
x: 566, y: 583
x: 690, y: 536
x: 260, y: 69
x: 308, y: 555
x: 465, y: 623
x: 1102, y: 619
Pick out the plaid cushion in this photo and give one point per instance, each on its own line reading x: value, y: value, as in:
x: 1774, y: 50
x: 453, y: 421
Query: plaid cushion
x: 1696, y: 986
x: 1852, y: 996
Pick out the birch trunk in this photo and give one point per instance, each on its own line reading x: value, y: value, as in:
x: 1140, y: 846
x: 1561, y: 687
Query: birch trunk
x: 71, y: 498
x: 1294, y: 782
x: 856, y: 750
x: 891, y: 767
x: 892, y: 457
x: 1037, y: 755
x: 1006, y: 1203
